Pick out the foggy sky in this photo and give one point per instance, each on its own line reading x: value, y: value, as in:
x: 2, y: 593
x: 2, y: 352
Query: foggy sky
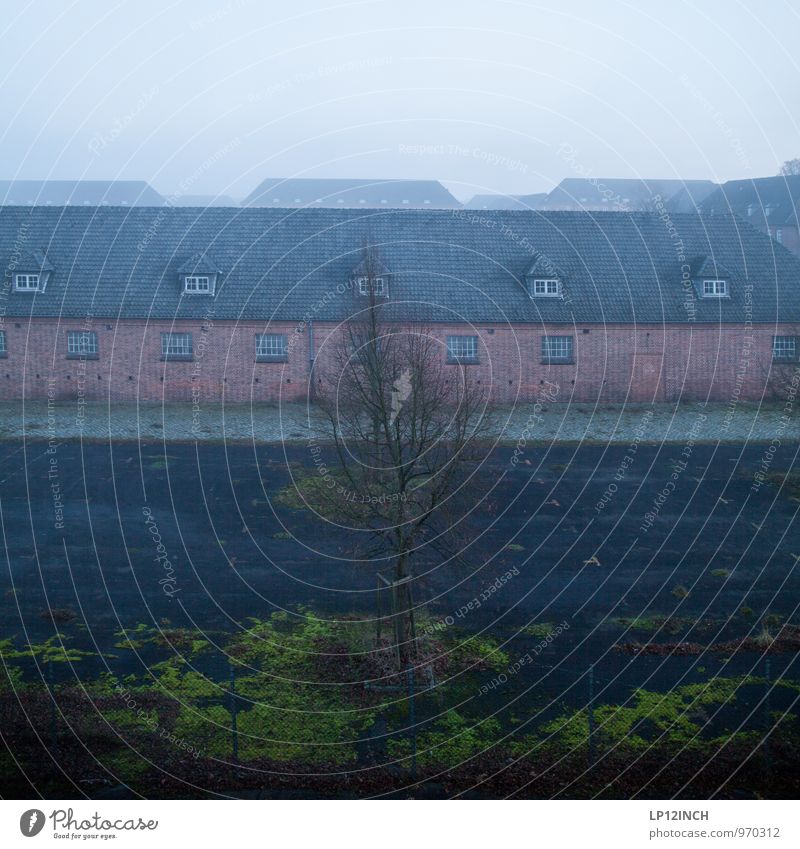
x: 211, y: 97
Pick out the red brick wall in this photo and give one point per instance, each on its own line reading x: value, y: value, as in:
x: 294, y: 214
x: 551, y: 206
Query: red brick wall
x: 613, y: 363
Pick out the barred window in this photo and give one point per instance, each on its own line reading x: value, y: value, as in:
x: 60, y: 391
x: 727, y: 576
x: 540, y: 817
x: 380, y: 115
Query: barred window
x: 2, y: 343
x: 462, y: 349
x: 197, y: 284
x: 378, y: 285
x: 26, y: 282
x: 176, y: 345
x: 81, y: 343
x: 271, y: 346
x: 715, y: 288
x: 784, y: 347
x: 546, y: 288
x: 556, y: 349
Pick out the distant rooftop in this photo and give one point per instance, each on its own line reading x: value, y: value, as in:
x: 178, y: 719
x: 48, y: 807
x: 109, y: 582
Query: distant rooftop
x: 203, y: 200
x: 323, y: 192
x: 536, y: 201
x: 608, y: 193
x: 78, y: 193
x: 764, y: 200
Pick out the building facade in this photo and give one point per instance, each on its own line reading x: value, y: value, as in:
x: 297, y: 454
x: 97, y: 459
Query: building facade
x: 155, y: 305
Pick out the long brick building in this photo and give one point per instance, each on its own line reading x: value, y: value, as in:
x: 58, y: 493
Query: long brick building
x: 181, y: 304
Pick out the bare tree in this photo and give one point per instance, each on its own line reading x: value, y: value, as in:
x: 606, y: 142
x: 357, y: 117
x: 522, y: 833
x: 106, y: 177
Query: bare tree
x: 790, y: 168
x: 405, y: 426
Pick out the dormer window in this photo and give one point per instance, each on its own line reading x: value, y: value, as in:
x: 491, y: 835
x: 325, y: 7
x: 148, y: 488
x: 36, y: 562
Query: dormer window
x: 715, y: 288
x: 26, y: 282
x: 199, y: 276
x: 545, y: 287
x: 197, y: 284
x: 378, y: 285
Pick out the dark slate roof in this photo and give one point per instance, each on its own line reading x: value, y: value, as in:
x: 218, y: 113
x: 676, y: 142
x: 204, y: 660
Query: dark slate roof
x: 202, y: 200
x: 199, y: 264
x: 444, y: 265
x: 608, y: 193
x: 290, y: 193
x: 763, y: 201
x: 708, y: 266
x: 536, y: 201
x: 78, y: 193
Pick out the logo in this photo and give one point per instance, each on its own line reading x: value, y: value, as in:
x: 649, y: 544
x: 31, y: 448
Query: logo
x: 400, y: 393
x: 31, y: 822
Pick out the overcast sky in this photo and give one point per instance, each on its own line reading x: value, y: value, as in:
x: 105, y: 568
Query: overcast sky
x: 492, y: 96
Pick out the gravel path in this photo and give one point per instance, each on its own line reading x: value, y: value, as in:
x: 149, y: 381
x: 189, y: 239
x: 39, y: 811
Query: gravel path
x: 296, y: 422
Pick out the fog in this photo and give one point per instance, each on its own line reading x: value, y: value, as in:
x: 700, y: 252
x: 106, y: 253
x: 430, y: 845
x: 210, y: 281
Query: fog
x: 211, y: 97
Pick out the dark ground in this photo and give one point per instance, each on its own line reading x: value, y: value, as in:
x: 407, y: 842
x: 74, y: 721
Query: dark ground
x: 237, y: 553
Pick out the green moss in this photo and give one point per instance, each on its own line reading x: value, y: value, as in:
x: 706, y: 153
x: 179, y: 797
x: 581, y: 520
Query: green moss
x: 449, y: 743
x: 514, y: 546
x: 538, y: 629
x: 720, y: 573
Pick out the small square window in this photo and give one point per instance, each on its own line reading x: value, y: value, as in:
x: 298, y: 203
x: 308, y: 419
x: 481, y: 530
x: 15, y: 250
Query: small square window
x: 462, y: 349
x: 197, y: 285
x: 26, y: 282
x: 784, y: 348
x: 271, y: 347
x: 378, y: 285
x: 176, y: 346
x: 545, y: 288
x: 81, y: 343
x: 557, y: 349
x: 715, y: 288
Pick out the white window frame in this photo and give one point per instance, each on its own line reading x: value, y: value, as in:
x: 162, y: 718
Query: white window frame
x: 558, y: 349
x: 715, y: 288
x: 22, y: 281
x: 271, y: 346
x: 82, y: 343
x: 192, y: 284
x: 546, y: 287
x: 176, y: 345
x: 784, y: 348
x: 462, y: 349
x: 378, y: 286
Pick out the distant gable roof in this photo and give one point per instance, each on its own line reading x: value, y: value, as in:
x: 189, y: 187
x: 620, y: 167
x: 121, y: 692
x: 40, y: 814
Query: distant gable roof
x: 79, y: 193
x: 322, y: 192
x: 446, y: 265
x: 536, y: 201
x: 34, y: 260
x: 771, y: 199
x: 619, y: 194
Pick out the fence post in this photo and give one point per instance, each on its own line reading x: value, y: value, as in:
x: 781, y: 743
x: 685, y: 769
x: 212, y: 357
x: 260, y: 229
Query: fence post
x: 767, y: 721
x: 234, y: 729
x: 52, y: 712
x: 590, y: 714
x: 412, y: 721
